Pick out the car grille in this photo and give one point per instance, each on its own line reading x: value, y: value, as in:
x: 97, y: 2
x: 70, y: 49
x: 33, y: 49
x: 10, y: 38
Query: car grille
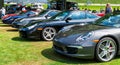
x: 58, y: 48
x: 69, y: 50
x: 23, y: 34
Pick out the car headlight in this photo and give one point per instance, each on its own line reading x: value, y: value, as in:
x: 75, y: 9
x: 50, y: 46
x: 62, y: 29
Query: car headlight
x: 32, y: 26
x: 84, y: 37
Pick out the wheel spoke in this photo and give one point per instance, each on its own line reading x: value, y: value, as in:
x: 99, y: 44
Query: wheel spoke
x: 47, y: 35
x: 108, y: 43
x: 102, y: 54
x: 102, y: 47
x: 108, y: 55
x: 46, y: 32
x: 52, y: 33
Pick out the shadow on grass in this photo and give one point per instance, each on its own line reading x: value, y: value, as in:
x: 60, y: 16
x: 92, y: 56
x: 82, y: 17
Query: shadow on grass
x: 51, y: 54
x: 4, y: 25
x: 12, y: 30
x: 117, y: 57
x: 23, y: 39
x: 1, y: 22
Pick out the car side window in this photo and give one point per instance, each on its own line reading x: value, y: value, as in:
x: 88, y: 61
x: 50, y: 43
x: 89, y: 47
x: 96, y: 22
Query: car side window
x: 89, y: 15
x: 77, y: 15
x: 52, y: 13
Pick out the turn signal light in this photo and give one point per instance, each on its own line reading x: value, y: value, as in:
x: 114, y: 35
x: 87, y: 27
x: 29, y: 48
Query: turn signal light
x: 40, y: 29
x: 96, y: 41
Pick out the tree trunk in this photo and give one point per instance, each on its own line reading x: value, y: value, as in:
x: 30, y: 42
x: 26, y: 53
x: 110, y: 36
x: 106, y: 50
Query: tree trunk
x: 1, y: 3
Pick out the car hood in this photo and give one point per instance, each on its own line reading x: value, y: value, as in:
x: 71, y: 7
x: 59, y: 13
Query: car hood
x: 49, y: 22
x: 18, y: 16
x: 35, y: 18
x: 79, y: 30
x: 71, y: 33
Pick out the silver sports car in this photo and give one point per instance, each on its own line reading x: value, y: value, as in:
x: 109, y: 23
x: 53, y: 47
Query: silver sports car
x: 100, y: 40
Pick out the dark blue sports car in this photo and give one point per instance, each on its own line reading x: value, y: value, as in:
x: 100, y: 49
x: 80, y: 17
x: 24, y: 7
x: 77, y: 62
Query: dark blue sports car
x: 45, y: 14
x: 9, y: 20
x: 47, y: 29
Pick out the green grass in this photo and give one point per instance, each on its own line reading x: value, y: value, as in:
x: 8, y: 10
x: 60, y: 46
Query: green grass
x: 17, y: 51
x: 95, y: 7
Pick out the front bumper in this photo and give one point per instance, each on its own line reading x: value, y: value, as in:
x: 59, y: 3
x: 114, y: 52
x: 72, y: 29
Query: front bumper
x: 16, y: 25
x: 74, y: 51
x: 7, y: 21
x: 30, y: 34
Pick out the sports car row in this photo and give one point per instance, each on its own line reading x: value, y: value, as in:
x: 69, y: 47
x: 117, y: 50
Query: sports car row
x: 75, y: 33
x: 10, y: 19
x: 46, y: 14
x: 47, y: 29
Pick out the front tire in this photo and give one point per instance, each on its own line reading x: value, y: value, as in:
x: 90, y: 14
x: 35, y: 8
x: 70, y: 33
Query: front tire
x: 48, y: 33
x: 106, y: 49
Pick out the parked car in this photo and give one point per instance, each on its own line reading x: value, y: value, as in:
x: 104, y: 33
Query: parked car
x: 100, y: 40
x: 10, y: 19
x: 8, y: 15
x: 48, y: 28
x: 46, y: 14
x: 100, y: 14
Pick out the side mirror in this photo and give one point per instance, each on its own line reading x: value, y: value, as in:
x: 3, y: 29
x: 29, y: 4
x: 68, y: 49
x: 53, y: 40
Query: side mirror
x: 47, y: 16
x: 67, y: 20
x: 28, y: 15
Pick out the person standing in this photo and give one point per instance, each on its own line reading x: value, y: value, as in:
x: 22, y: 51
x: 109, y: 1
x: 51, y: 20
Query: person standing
x: 24, y: 9
x: 3, y: 11
x: 108, y: 9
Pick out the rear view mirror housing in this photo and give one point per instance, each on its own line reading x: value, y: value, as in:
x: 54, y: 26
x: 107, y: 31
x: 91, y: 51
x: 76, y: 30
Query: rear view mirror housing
x: 67, y: 20
x: 47, y: 16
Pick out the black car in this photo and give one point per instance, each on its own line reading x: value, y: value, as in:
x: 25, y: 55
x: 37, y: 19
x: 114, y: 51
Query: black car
x: 45, y: 14
x: 48, y: 28
x: 100, y: 40
x: 11, y: 19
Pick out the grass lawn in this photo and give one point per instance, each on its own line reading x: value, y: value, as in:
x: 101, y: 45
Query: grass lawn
x: 17, y: 51
x: 96, y: 7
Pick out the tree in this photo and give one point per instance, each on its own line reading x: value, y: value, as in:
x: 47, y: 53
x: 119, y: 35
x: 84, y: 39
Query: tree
x: 1, y: 3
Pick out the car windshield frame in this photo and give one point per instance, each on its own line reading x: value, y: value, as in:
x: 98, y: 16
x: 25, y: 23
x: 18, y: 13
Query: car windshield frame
x: 59, y: 14
x: 43, y: 13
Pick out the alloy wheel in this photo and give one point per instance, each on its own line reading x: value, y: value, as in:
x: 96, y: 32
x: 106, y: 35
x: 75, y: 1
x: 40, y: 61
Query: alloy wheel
x: 48, y: 33
x: 106, y: 49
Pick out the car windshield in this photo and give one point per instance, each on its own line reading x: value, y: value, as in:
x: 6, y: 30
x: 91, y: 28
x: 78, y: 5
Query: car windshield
x: 27, y: 13
x: 113, y: 21
x: 61, y: 15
